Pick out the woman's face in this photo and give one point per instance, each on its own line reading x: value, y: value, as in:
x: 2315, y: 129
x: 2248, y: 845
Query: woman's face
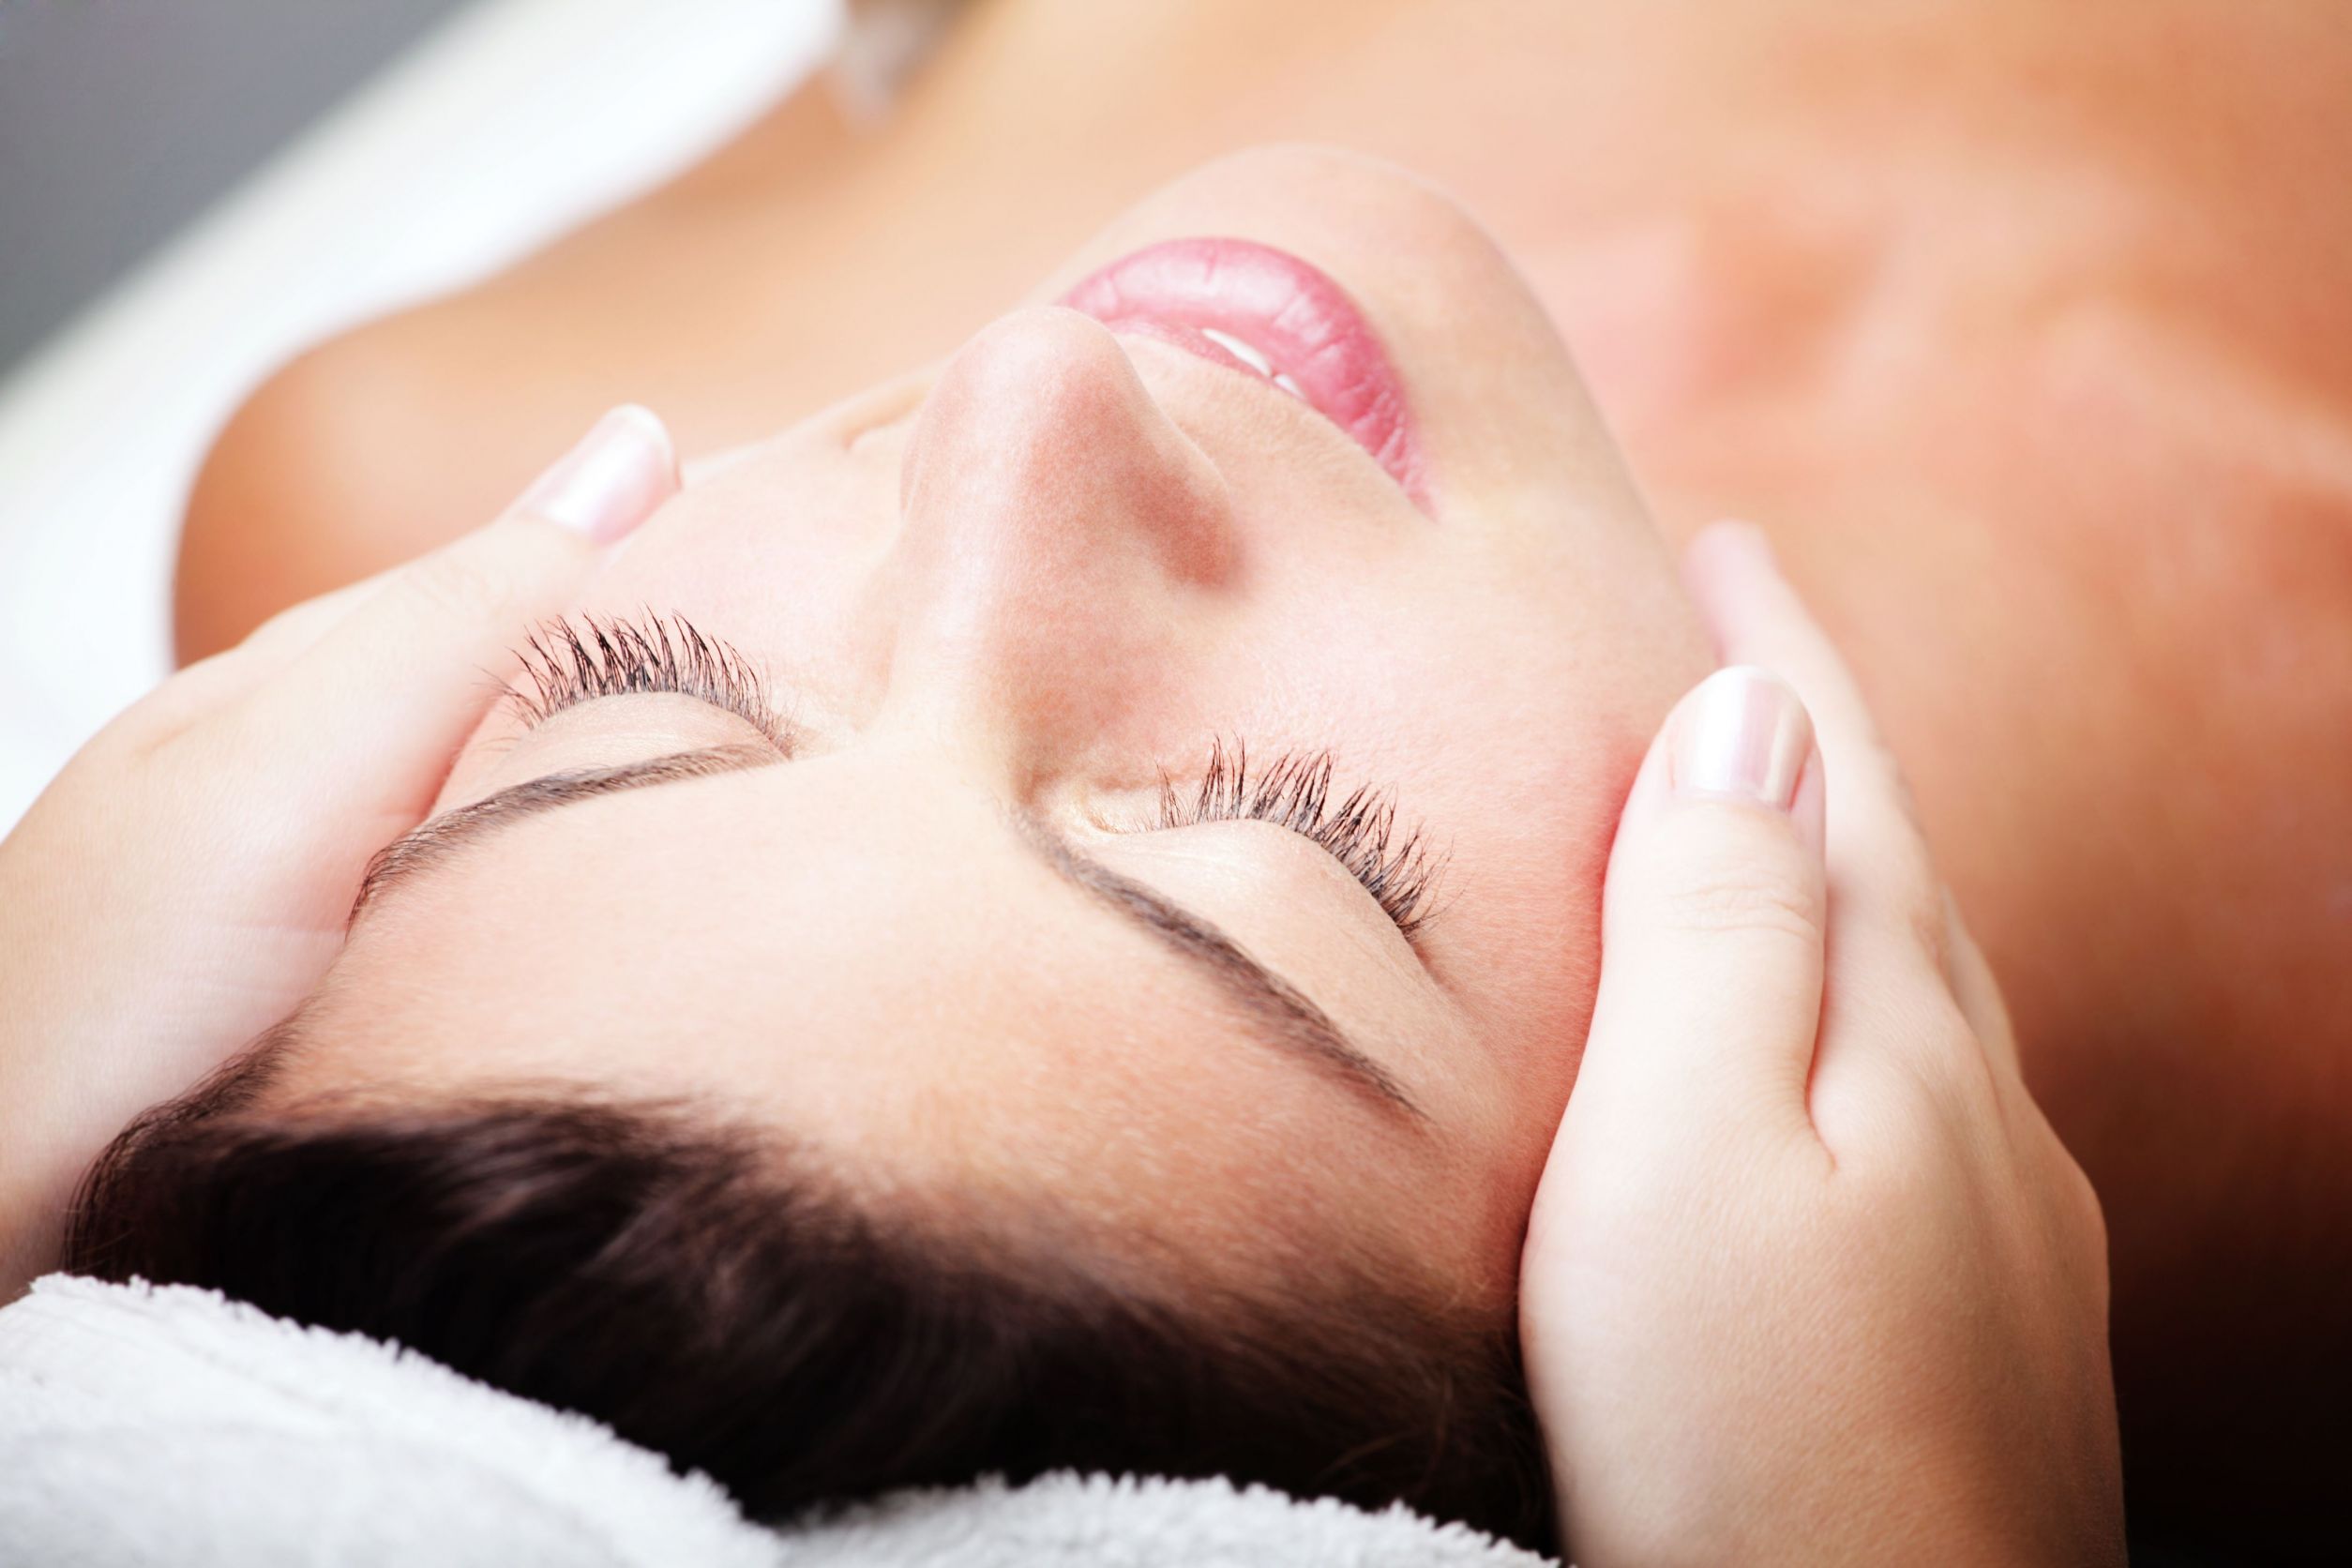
x: 933, y: 919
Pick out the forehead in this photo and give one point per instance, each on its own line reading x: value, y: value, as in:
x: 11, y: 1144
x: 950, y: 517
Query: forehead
x: 893, y: 984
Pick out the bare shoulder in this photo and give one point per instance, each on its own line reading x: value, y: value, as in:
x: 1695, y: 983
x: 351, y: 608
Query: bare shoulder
x: 316, y: 481
x: 400, y: 434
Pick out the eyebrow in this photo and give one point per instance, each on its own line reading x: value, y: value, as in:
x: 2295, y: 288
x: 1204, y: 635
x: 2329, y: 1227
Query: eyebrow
x: 1287, y: 1014
x: 430, y: 843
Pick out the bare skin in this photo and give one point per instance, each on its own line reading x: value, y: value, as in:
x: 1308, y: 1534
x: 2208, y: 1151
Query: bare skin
x: 2019, y: 327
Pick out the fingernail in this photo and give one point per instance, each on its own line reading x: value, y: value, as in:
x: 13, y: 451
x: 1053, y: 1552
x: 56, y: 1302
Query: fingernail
x: 1742, y: 735
x: 613, y: 480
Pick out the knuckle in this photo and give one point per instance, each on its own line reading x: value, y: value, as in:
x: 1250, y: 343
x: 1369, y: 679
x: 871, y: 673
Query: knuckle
x: 1949, y: 1042
x: 160, y: 721
x: 1918, y: 909
x: 459, y: 583
x: 1930, y: 931
x: 1746, y: 879
x: 2082, y: 1200
x: 1955, y: 1077
x: 1742, y: 904
x: 276, y: 626
x: 1911, y: 910
x: 1933, y: 1086
x: 145, y: 727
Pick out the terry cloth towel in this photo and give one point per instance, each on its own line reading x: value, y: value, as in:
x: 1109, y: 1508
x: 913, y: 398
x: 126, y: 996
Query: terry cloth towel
x: 143, y: 1426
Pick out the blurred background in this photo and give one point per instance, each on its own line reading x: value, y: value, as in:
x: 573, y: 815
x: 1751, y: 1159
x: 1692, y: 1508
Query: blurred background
x: 190, y: 193
x: 120, y: 122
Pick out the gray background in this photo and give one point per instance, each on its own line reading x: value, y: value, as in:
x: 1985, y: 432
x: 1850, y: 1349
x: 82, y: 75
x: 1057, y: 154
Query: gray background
x: 120, y: 119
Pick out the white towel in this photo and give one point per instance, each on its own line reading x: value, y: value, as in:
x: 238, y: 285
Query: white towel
x: 143, y: 1426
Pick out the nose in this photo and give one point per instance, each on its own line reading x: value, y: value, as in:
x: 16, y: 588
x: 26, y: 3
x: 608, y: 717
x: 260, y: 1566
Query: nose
x: 1058, y: 532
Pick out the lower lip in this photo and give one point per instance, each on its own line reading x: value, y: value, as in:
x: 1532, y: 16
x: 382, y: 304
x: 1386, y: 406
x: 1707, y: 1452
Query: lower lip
x: 1181, y: 291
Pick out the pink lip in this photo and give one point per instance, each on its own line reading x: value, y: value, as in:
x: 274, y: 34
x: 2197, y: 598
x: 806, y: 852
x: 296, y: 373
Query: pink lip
x: 1294, y: 314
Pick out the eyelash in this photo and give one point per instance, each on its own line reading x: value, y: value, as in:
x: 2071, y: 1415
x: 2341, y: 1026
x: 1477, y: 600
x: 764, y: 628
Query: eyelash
x: 571, y: 661
x: 1395, y: 865
x: 578, y: 660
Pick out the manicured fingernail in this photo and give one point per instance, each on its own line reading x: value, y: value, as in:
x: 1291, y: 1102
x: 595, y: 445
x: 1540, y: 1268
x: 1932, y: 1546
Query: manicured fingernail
x: 613, y: 480
x: 1742, y: 735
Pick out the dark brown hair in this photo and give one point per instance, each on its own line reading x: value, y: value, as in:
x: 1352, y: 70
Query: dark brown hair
x: 684, y: 1285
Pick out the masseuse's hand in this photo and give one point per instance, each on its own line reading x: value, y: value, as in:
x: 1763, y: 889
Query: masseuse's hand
x: 1809, y: 1278
x: 185, y: 881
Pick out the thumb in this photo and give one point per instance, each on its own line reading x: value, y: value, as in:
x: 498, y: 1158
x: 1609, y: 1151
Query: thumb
x: 1713, y: 921
x: 366, y: 715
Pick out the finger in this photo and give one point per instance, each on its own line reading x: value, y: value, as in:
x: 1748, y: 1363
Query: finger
x: 290, y: 633
x: 1891, y: 942
x: 1713, y: 917
x: 214, y: 683
x: 1978, y: 995
x: 372, y: 697
x: 621, y: 472
x: 211, y: 684
x: 1877, y: 857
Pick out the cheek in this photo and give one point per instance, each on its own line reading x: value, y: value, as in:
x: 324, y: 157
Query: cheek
x: 1528, y: 771
x: 1518, y: 936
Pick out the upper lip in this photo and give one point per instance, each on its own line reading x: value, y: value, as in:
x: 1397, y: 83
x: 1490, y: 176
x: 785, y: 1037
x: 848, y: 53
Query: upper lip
x: 1265, y: 313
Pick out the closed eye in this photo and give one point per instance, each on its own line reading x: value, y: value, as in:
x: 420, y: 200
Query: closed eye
x: 581, y: 660
x: 586, y: 657
x: 1358, y: 828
